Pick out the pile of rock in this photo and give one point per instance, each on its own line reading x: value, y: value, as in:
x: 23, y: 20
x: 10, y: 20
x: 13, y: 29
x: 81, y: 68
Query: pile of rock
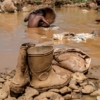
x: 79, y: 85
x: 8, y: 6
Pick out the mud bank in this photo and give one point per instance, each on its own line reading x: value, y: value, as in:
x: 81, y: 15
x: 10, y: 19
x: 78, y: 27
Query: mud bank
x: 80, y: 87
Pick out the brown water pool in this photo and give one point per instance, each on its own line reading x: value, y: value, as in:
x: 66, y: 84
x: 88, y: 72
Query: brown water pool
x: 14, y: 32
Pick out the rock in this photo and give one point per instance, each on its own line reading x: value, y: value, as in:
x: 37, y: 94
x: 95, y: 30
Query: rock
x: 92, y: 5
x: 3, y: 94
x: 2, y: 80
x: 8, y: 5
x: 91, y: 83
x: 54, y: 62
x: 12, y: 75
x: 65, y: 90
x: 30, y: 92
x: 6, y: 87
x: 8, y: 77
x: 1, y: 85
x: 16, y: 88
x: 24, y: 98
x: 8, y: 72
x: 44, y: 99
x: 94, y: 71
x: 96, y: 93
x: 99, y: 85
x: 51, y: 95
x: 79, y: 76
x: 54, y: 90
x: 84, y: 83
x: 73, y: 86
x: 56, y: 98
x: 67, y: 97
x: 58, y: 36
x: 27, y: 8
x: 98, y: 97
x: 75, y: 95
x: 3, y: 76
x: 78, y: 90
x: 10, y: 98
x: 88, y: 89
x: 72, y: 81
x: 76, y: 99
x: 13, y: 72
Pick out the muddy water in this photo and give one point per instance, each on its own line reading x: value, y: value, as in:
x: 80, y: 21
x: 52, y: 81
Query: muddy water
x: 14, y: 32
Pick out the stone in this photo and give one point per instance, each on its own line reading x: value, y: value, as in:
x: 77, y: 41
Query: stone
x: 10, y: 98
x: 99, y: 85
x: 8, y: 77
x: 78, y: 90
x: 73, y: 86
x: 3, y: 94
x: 54, y: 62
x: 65, y: 90
x: 72, y: 81
x: 75, y: 95
x: 91, y: 83
x: 8, y: 5
x: 8, y: 72
x: 6, y: 87
x: 27, y: 8
x: 76, y: 99
x: 49, y: 95
x: 30, y: 92
x: 96, y: 93
x: 3, y: 76
x: 12, y: 75
x: 84, y: 83
x: 79, y: 76
x: 67, y: 96
x: 88, y: 89
x: 1, y: 85
x: 44, y: 99
x: 24, y: 98
x: 56, y: 98
x: 92, y: 5
x: 2, y: 80
x: 98, y: 97
x: 54, y: 90
x: 94, y: 71
x: 13, y: 72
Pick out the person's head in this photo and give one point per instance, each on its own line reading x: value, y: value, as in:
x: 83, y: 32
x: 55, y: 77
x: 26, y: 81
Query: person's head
x: 40, y: 11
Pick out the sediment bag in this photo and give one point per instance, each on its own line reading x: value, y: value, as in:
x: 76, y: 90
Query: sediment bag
x: 74, y: 60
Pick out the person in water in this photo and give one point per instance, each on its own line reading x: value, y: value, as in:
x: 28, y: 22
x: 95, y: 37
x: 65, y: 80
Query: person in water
x: 37, y: 19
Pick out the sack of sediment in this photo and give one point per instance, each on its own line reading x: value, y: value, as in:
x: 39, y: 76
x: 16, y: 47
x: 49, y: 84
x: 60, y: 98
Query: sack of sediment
x: 74, y: 60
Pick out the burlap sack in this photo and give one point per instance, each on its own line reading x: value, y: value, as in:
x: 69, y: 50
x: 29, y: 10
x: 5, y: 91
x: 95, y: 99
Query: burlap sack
x: 74, y: 60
